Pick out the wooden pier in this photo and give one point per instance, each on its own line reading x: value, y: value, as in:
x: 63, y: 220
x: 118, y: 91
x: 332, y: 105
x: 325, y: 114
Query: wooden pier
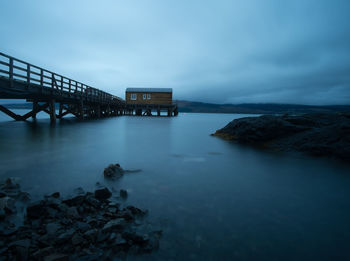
x: 45, y: 89
x: 167, y: 110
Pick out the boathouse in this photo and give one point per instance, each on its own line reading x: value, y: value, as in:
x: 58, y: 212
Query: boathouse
x: 147, y: 101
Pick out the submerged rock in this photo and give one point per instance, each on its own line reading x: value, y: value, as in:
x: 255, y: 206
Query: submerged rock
x: 315, y: 134
x: 103, y: 194
x: 113, y: 171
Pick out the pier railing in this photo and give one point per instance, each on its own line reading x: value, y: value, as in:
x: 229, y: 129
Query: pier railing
x: 18, y: 70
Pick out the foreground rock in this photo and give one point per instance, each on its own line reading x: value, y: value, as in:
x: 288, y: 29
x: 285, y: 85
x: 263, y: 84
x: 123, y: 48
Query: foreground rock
x: 115, y: 171
x: 315, y: 134
x: 87, y: 226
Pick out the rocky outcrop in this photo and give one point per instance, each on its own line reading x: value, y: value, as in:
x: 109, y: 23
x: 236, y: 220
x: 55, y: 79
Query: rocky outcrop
x: 316, y: 134
x: 86, y: 226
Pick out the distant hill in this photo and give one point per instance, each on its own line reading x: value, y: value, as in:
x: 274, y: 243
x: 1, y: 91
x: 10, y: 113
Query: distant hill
x: 249, y: 108
x: 257, y: 108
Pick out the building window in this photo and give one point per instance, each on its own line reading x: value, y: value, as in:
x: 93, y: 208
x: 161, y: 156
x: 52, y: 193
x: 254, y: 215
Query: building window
x: 133, y: 96
x: 148, y: 96
x: 144, y: 96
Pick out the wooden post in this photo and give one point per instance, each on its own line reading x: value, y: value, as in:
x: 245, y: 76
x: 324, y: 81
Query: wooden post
x: 99, y: 111
x: 52, y: 112
x: 11, y: 72
x: 158, y: 111
x: 42, y: 80
x: 28, y: 76
x: 35, y: 108
x: 60, y: 110
x: 81, y: 109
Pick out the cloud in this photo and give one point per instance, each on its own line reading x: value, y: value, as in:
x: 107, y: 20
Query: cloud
x: 213, y: 51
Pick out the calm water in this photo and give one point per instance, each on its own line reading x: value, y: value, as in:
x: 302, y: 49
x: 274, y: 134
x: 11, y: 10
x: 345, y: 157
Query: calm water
x: 213, y: 199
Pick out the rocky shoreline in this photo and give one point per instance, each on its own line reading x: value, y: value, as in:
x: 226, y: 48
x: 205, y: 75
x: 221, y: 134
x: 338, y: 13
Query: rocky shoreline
x: 87, y: 226
x: 321, y: 134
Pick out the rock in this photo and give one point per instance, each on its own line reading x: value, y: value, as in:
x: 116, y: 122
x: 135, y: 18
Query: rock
x: 123, y: 193
x: 39, y: 254
x: 82, y: 226
x: 8, y: 205
x: 74, y: 201
x: 21, y: 243
x: 119, y: 240
x: 73, y: 212
x: 322, y: 134
x: 36, y: 210
x: 67, y: 235
x: 55, y: 195
x: 23, y: 196
x: 79, y: 191
x: 113, y: 171
x: 115, y: 224
x: 2, y: 214
x: 52, y: 228
x: 136, y: 211
x: 77, y: 239
x: 102, y: 194
x: 57, y: 257
x: 91, y: 234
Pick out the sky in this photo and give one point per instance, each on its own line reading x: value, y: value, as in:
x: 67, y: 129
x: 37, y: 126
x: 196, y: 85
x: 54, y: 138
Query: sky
x: 220, y: 51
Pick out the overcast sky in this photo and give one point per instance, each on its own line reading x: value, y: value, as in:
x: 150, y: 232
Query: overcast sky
x: 218, y: 51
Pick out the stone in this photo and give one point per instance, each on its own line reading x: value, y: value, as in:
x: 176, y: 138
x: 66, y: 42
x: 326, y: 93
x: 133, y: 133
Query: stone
x: 2, y: 214
x: 79, y: 191
x: 123, y: 193
x: 21, y: 243
x: 113, y: 171
x: 36, y: 210
x: 57, y: 257
x: 115, y: 224
x: 136, y: 211
x: 55, y: 195
x: 73, y: 212
x: 52, y: 228
x: 75, y: 201
x: 102, y: 194
x: 119, y: 240
x: 77, y: 239
x: 82, y: 226
x: 91, y: 234
x: 39, y: 254
x: 67, y: 235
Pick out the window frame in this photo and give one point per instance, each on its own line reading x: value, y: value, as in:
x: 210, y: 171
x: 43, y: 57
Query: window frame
x: 144, y: 96
x: 148, y: 96
x: 133, y: 96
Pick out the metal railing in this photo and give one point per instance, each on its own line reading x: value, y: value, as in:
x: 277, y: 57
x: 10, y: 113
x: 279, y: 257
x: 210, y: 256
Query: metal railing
x: 18, y: 70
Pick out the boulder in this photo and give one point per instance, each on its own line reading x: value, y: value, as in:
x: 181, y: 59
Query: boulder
x: 113, y: 171
x: 123, y: 193
x: 36, y: 210
x: 102, y: 194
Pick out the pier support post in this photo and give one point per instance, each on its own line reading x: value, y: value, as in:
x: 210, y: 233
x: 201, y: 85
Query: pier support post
x: 35, y: 108
x: 98, y: 111
x: 52, y: 112
x: 81, y: 110
x: 60, y: 112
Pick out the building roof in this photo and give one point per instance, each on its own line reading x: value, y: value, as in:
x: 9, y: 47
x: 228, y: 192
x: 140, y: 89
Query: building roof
x: 149, y: 90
